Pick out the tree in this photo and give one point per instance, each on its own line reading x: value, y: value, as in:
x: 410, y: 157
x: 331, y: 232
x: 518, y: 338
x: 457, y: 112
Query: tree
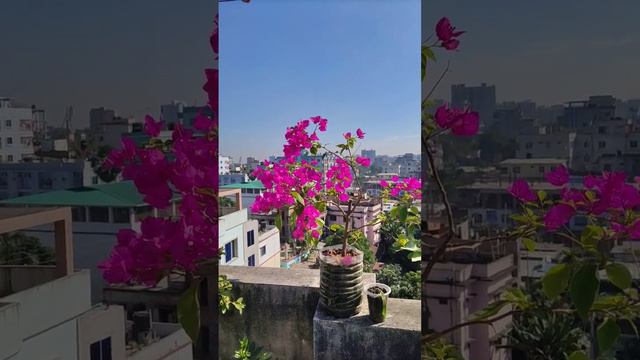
x: 403, y: 285
x: 19, y: 249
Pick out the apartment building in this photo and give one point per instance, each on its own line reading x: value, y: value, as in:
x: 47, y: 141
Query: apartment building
x: 250, y: 190
x: 16, y: 132
x: 47, y: 312
x: 246, y: 242
x: 363, y: 217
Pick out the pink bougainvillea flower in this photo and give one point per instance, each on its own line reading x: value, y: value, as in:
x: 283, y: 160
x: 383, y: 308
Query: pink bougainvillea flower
x: 152, y: 127
x: 202, y: 123
x: 520, y: 189
x: 558, y: 215
x: 321, y: 122
x: 559, y: 176
x: 384, y: 183
x: 461, y: 123
x: 363, y: 161
x: 447, y: 34
x: 360, y: 134
x: 346, y: 260
x: 347, y: 135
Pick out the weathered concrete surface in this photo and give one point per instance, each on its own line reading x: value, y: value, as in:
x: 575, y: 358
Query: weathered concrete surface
x: 279, y: 313
x: 358, y: 338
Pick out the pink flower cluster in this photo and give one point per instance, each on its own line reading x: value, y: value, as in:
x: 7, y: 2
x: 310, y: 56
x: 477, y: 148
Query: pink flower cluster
x: 608, y: 197
x: 189, y: 171
x: 291, y: 182
x: 408, y: 186
x: 447, y: 34
x: 461, y: 122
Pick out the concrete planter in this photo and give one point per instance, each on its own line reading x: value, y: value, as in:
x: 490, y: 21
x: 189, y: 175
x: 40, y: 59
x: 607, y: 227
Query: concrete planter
x: 377, y: 296
x: 341, y: 283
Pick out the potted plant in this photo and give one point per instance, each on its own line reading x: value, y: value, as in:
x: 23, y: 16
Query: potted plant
x: 301, y: 187
x: 377, y: 296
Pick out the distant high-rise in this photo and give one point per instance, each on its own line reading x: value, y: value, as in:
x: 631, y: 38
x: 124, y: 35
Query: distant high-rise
x: 99, y: 116
x: 480, y: 98
x: 370, y: 154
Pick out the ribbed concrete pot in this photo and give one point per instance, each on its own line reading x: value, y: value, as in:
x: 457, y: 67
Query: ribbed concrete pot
x: 341, y: 287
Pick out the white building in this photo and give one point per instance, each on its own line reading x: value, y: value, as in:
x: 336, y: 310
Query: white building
x: 250, y: 191
x: 224, y: 165
x: 245, y: 241
x: 16, y: 132
x: 98, y: 213
x: 363, y: 214
x: 46, y: 311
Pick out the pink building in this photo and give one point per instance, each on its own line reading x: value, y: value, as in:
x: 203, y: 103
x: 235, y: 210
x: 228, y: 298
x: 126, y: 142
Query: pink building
x: 465, y: 284
x: 365, y: 213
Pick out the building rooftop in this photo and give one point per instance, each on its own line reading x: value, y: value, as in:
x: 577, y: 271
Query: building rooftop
x: 118, y: 194
x: 256, y: 184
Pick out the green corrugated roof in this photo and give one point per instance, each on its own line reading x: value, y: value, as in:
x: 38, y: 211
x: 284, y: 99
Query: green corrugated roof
x: 256, y: 184
x: 119, y: 194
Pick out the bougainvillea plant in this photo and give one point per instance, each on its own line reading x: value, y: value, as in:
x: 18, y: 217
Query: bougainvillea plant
x: 181, y: 169
x: 404, y: 193
x: 608, y: 203
x: 298, y: 187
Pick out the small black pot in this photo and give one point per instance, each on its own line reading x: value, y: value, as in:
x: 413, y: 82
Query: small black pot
x: 377, y: 301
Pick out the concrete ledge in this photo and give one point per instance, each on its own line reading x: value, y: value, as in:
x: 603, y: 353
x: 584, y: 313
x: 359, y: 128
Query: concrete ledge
x: 358, y: 337
x: 279, y: 314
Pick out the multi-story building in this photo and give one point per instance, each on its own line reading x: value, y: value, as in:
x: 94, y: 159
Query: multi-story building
x: 98, y: 213
x: 480, y: 98
x: 408, y: 165
x: 224, y: 164
x: 16, y: 132
x: 250, y: 191
x: 47, y: 312
x: 245, y: 241
x: 529, y: 169
x: 369, y: 154
x: 99, y: 116
x: 363, y: 217
x: 462, y: 284
x: 233, y: 178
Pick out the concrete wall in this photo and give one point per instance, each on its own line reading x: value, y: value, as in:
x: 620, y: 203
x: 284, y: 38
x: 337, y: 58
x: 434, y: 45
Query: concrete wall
x: 282, y: 316
x: 270, y: 240
x: 15, y: 278
x: 231, y: 227
x: 174, y: 346
x: 99, y: 324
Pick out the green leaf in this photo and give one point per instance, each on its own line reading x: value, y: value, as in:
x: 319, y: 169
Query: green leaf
x: 608, y: 333
x: 542, y: 195
x: 402, y: 214
x: 279, y: 222
x: 520, y: 219
x: 555, y: 281
x: 189, y: 311
x: 619, y: 275
x: 490, y: 310
x: 578, y: 355
x: 584, y: 287
x: 591, y: 235
x: 529, y: 244
x: 298, y: 198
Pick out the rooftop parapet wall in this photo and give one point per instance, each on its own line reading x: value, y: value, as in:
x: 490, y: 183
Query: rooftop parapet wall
x: 282, y: 316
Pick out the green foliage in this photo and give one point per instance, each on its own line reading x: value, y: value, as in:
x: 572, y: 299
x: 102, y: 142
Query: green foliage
x: 225, y: 296
x: 189, y: 311
x: 619, y: 275
x: 440, y: 350
x: 250, y: 351
x: 608, y: 332
x: 403, y: 285
x: 19, y: 249
x: 584, y: 288
x: 556, y: 280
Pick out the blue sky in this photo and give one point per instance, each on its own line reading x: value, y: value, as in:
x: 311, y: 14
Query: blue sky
x: 355, y: 63
x: 549, y: 51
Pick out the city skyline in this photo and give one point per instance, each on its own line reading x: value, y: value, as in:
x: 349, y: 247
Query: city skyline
x: 359, y: 72
x: 580, y: 51
x: 61, y: 55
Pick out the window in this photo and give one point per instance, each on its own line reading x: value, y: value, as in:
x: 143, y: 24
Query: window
x: 45, y: 181
x: 120, y: 215
x: 586, y: 144
x: 101, y: 350
x: 602, y: 144
x: 78, y: 214
x: 99, y: 214
x: 252, y: 260
x: 24, y: 178
x: 443, y: 301
x: 263, y: 250
x: 516, y: 169
x: 4, y: 180
x: 633, y: 143
x: 9, y: 140
x: 541, y: 169
x: 7, y: 123
x: 332, y: 218
x: 250, y: 238
x: 94, y: 180
x: 231, y: 250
